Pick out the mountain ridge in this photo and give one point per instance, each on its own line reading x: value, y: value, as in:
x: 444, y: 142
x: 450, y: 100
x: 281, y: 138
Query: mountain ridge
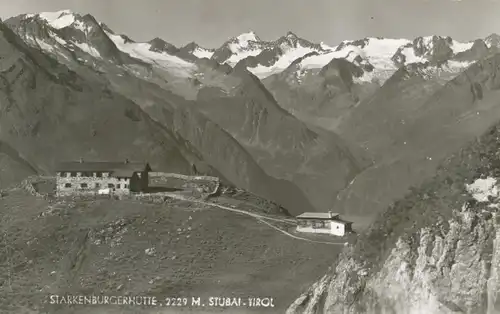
x: 237, y: 91
x: 163, y: 147
x: 265, y: 58
x: 339, y: 89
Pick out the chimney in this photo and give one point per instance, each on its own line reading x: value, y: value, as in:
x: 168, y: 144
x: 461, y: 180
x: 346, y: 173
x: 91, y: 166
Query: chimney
x: 330, y: 213
x: 127, y: 161
x: 81, y: 160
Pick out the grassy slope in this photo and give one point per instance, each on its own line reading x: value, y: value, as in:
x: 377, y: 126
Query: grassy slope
x: 13, y: 168
x: 199, y: 252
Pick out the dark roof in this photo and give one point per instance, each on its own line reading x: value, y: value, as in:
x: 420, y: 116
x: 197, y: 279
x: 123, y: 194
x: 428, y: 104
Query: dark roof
x: 122, y: 173
x: 313, y: 215
x: 340, y: 221
x: 102, y: 166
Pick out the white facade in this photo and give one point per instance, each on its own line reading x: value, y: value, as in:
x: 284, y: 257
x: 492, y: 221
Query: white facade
x: 333, y: 225
x: 314, y: 230
x: 338, y: 228
x: 67, y: 185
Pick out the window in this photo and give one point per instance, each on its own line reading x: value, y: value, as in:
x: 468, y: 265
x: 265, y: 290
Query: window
x: 317, y: 224
x: 67, y: 185
x: 111, y: 185
x: 125, y: 186
x: 84, y: 185
x: 73, y: 174
x: 99, y: 174
x: 118, y: 186
x: 97, y: 185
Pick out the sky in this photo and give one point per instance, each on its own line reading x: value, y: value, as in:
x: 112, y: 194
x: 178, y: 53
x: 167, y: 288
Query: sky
x: 211, y: 22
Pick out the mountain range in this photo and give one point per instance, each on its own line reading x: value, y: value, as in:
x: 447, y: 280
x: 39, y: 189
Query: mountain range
x: 279, y: 118
x: 397, y: 131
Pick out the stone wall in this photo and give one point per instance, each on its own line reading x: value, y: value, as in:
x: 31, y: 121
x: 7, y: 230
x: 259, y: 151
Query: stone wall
x: 182, y: 176
x: 206, y: 185
x: 28, y: 184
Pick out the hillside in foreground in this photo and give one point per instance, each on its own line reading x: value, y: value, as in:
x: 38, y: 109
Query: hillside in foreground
x: 434, y: 251
x: 129, y: 247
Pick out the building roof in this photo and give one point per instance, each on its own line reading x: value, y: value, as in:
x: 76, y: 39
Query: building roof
x: 102, y: 166
x: 310, y: 215
x: 343, y: 222
x: 122, y: 173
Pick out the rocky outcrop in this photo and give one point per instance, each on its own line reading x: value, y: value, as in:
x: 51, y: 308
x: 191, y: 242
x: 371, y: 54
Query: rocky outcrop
x: 454, y: 272
x: 437, y: 251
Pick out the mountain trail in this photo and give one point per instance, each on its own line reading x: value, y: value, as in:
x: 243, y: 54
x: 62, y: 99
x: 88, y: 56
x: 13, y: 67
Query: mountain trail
x: 258, y: 217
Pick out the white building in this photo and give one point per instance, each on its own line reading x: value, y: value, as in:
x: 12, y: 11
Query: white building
x: 327, y: 223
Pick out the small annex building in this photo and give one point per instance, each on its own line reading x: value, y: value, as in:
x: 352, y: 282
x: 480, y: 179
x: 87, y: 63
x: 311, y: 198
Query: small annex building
x: 94, y: 177
x: 326, y: 223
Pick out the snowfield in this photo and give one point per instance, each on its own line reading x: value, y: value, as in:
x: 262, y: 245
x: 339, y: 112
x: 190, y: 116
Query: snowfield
x: 164, y: 60
x: 377, y: 51
x: 59, y: 19
x: 203, y: 53
x: 290, y: 55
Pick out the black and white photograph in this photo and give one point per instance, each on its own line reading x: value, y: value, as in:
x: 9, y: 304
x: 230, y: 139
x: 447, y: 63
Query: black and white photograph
x: 247, y: 157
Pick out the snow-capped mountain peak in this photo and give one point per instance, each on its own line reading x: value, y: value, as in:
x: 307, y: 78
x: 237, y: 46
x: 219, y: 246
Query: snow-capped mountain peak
x: 378, y: 57
x: 326, y: 47
x: 264, y: 58
x: 63, y: 19
x: 198, y: 51
x: 492, y: 40
x: 57, y: 20
x: 245, y: 38
x: 69, y: 35
x: 381, y: 57
x: 238, y: 48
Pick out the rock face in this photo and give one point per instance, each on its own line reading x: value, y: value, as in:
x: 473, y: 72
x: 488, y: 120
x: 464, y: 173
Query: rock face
x: 455, y: 272
x: 437, y: 251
